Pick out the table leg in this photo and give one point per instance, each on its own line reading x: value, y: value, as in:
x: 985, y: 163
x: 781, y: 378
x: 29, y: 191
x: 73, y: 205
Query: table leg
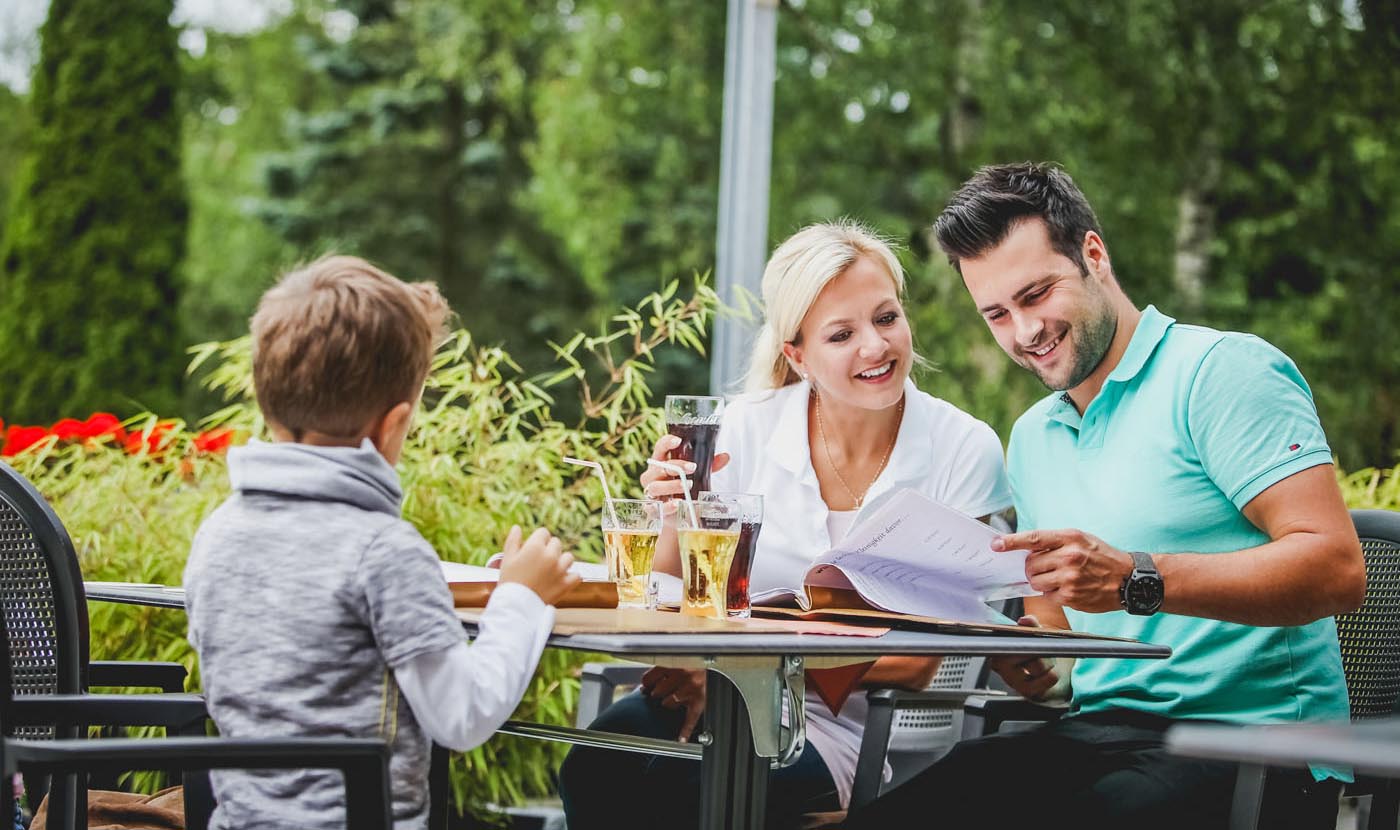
x: 733, y: 779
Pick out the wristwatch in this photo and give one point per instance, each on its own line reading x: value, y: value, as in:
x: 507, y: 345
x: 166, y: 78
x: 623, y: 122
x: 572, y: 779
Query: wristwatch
x: 1141, y: 593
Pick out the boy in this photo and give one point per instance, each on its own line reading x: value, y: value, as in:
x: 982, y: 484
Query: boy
x: 316, y: 610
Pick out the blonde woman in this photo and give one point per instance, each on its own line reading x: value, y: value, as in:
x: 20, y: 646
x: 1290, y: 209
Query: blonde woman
x: 828, y: 424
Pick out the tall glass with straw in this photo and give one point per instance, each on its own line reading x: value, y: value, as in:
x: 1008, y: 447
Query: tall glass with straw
x: 630, y: 530
x: 708, y: 535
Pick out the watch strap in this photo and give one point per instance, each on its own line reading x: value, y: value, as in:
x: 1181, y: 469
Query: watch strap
x: 1143, y: 562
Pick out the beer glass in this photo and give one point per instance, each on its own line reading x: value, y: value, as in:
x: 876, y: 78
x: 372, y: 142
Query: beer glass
x: 695, y: 420
x: 630, y: 530
x: 707, y: 540
x: 750, y: 505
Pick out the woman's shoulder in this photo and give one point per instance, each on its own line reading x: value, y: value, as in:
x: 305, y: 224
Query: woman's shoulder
x: 760, y: 407
x: 945, y: 420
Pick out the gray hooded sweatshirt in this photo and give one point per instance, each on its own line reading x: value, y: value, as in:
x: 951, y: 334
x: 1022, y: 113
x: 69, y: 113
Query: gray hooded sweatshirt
x: 305, y: 590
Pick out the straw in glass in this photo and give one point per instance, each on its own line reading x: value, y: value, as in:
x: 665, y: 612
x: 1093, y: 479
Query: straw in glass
x: 607, y: 494
x: 685, y: 486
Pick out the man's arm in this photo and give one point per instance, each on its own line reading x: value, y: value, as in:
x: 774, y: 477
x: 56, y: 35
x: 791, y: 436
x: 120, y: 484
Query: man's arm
x: 1311, y: 568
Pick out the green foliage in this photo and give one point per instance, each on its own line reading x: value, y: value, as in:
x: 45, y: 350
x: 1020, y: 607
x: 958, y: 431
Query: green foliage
x: 97, y: 231
x: 484, y: 454
x: 14, y: 136
x: 1371, y: 488
x: 416, y: 161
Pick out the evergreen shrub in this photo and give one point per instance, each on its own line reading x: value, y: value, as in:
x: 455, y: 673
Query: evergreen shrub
x: 96, y: 233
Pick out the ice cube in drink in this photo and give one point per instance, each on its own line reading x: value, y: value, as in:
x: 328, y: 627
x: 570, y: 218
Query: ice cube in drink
x: 629, y: 555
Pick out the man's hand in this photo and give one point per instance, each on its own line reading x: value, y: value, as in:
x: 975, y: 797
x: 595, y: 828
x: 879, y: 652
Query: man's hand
x: 1031, y: 677
x: 677, y: 689
x: 1071, y: 567
x: 539, y: 564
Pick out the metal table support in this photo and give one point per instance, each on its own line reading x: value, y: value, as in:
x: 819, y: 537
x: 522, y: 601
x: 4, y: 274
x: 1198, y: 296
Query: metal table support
x: 733, y: 776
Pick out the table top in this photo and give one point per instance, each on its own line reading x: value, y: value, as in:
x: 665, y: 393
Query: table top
x: 136, y: 593
x: 756, y: 644
x: 1371, y: 747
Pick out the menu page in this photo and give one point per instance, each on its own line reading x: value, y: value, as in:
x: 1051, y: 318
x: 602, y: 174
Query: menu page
x: 916, y: 556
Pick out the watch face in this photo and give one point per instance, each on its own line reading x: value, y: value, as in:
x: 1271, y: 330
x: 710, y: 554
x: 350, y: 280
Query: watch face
x: 1143, y: 594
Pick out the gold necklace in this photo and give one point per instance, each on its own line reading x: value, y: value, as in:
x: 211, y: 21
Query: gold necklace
x: 821, y: 432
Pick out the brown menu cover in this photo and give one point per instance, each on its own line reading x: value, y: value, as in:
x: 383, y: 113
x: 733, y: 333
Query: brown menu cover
x: 889, y: 619
x: 641, y: 621
x: 586, y: 594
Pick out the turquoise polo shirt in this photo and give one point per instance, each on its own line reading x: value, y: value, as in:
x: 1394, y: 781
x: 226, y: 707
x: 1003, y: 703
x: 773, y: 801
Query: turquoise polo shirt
x: 1191, y: 425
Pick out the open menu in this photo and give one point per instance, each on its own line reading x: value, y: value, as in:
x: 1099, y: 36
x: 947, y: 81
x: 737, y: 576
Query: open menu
x: 914, y: 557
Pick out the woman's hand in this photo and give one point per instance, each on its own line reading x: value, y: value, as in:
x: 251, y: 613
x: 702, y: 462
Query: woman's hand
x: 678, y: 689
x: 1031, y: 677
x: 662, y: 484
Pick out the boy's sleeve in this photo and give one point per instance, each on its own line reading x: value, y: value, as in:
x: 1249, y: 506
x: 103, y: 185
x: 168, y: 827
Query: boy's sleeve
x: 407, y: 601
x: 462, y: 695
x: 1252, y: 419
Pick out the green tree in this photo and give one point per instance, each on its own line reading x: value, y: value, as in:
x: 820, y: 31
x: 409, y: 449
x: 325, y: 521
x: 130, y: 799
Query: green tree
x: 418, y: 161
x: 236, y: 94
x: 14, y: 139
x: 94, y: 241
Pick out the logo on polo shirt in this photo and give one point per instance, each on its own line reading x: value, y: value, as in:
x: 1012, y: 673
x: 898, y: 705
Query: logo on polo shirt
x: 1294, y: 447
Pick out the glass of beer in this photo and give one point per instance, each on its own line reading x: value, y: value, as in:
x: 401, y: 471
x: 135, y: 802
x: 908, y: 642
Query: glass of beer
x: 630, y: 530
x: 695, y: 420
x: 750, y: 523
x: 707, y: 542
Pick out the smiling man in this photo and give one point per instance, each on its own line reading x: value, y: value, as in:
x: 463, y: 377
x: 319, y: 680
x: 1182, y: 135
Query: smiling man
x: 1175, y: 487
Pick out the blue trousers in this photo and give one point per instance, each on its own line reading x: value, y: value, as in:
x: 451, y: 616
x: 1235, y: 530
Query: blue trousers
x: 604, y: 788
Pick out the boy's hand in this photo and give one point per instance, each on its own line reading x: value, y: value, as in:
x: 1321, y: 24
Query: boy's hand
x: 539, y: 563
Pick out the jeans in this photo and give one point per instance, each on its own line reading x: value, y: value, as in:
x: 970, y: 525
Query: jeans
x: 604, y: 788
x: 1100, y: 770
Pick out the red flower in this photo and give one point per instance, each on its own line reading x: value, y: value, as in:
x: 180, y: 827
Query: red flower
x: 70, y: 429
x: 214, y: 440
x: 99, y: 424
x: 18, y: 439
x: 152, y: 442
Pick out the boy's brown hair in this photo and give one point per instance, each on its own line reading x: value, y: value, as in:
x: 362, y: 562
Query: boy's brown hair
x: 338, y: 343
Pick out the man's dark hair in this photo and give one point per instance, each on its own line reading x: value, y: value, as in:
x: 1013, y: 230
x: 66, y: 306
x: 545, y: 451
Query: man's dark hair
x: 997, y: 198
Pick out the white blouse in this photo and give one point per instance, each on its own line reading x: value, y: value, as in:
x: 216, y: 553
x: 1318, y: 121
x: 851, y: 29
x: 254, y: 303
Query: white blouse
x: 940, y: 451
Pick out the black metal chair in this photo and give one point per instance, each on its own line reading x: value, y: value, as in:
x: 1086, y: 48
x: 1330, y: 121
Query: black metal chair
x: 45, y: 707
x: 1370, y: 641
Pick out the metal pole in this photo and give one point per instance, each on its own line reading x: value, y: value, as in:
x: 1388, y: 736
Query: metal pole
x: 746, y: 150
x: 733, y: 779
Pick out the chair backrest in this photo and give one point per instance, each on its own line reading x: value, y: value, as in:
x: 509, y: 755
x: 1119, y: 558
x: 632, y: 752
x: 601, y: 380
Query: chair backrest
x: 918, y: 732
x: 44, y: 636
x: 1370, y: 635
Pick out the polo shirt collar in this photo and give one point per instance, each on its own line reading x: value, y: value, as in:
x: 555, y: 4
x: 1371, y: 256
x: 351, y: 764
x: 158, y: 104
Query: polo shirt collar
x: 791, y: 446
x: 1151, y: 328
